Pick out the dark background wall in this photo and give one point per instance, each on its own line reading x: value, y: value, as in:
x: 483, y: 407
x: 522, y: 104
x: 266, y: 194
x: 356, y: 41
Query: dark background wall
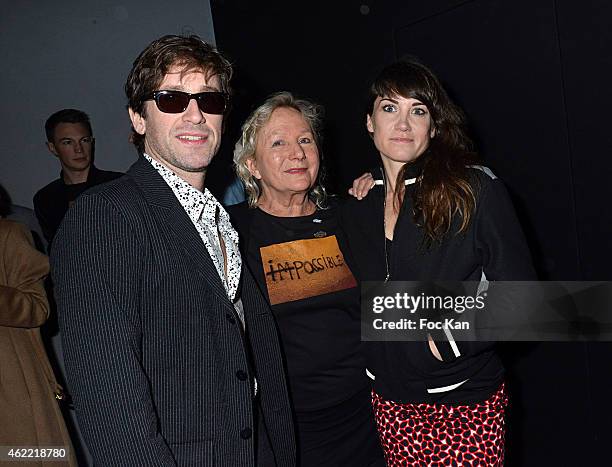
x: 75, y: 53
x: 534, y: 79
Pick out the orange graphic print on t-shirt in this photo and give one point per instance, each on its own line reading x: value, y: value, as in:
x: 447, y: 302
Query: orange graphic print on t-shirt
x: 305, y: 268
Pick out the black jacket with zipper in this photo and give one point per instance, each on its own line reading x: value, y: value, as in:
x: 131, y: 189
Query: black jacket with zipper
x: 493, y: 246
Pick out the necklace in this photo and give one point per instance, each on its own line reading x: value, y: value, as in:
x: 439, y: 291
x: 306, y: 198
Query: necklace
x: 409, y: 181
x: 310, y: 209
x: 388, y: 274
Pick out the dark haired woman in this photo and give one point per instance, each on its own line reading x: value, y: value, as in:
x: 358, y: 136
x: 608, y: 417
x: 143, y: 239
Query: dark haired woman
x: 435, y: 215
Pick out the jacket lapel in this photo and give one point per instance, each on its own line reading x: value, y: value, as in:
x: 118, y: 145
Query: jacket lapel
x: 177, y: 224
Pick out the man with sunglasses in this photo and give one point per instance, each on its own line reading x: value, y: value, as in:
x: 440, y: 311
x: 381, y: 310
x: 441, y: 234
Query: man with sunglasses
x: 171, y: 351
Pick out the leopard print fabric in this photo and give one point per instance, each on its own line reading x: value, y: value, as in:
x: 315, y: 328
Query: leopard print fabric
x: 437, y: 434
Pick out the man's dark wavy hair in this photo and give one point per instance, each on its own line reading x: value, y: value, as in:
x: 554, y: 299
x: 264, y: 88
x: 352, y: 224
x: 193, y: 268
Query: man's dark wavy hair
x: 65, y: 116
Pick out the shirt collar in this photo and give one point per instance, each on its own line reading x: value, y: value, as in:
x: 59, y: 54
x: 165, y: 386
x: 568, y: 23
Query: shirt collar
x: 193, y: 200
x: 93, y: 172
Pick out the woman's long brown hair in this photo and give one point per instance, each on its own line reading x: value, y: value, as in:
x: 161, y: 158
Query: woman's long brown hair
x: 444, y: 188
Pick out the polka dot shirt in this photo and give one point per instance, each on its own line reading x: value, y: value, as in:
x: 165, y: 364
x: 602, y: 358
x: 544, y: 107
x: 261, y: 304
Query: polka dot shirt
x: 210, y: 220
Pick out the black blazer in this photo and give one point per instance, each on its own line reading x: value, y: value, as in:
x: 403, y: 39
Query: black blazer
x: 156, y: 360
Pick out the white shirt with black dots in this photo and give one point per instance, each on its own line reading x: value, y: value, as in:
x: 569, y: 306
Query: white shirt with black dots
x: 210, y: 219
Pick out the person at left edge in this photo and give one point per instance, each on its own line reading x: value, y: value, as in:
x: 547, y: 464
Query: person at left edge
x: 171, y: 351
x: 30, y: 414
x: 291, y: 241
x: 70, y: 139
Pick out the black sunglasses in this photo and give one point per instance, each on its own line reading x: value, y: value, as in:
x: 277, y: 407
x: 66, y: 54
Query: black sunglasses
x: 175, y: 102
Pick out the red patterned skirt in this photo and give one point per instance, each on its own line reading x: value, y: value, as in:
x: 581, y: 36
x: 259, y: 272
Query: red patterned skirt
x: 437, y: 434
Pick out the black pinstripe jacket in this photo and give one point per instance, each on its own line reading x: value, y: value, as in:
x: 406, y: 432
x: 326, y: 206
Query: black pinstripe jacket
x: 156, y: 361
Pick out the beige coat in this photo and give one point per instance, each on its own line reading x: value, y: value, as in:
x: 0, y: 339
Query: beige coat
x: 29, y: 411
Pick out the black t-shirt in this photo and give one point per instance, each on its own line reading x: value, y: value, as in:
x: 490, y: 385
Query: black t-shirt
x: 52, y: 202
x: 300, y: 267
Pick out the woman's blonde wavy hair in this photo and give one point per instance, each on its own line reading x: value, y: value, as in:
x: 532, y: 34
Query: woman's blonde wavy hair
x: 246, y: 145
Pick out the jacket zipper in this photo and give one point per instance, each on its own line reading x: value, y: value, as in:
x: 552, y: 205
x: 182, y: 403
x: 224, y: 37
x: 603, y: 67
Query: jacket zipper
x: 388, y: 273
